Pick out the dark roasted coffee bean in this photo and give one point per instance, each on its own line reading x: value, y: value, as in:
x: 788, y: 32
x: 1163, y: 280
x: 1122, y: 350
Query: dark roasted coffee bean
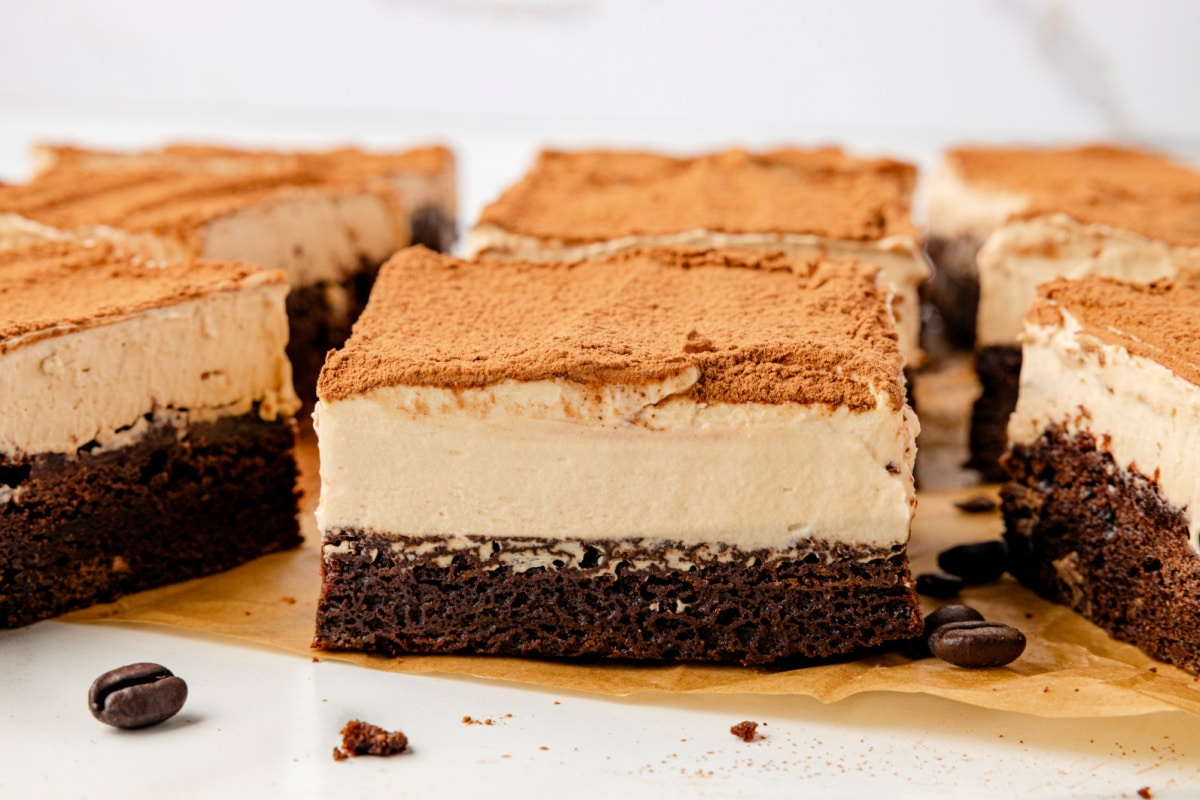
x: 979, y: 504
x: 939, y: 584
x: 976, y: 643
x: 980, y: 562
x: 918, y: 647
x: 136, y: 695
x: 947, y: 614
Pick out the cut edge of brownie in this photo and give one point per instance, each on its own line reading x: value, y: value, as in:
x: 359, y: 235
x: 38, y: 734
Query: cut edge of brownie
x: 999, y: 371
x: 89, y: 527
x: 1101, y: 539
x: 588, y: 599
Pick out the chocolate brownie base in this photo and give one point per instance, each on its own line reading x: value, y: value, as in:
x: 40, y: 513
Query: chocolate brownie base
x: 953, y: 291
x: 1086, y: 533
x: 572, y: 598
x: 88, y: 528
x: 999, y: 371
x: 319, y: 320
x: 434, y: 228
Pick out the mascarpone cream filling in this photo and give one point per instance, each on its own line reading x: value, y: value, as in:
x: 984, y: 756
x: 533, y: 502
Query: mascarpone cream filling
x: 313, y: 236
x: 900, y: 258
x: 552, y: 459
x: 1140, y: 412
x: 1022, y: 254
x: 959, y: 209
x: 214, y: 356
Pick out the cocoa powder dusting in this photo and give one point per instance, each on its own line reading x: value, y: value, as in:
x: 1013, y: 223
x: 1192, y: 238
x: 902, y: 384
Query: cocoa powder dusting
x: 598, y: 195
x: 53, y: 288
x: 1159, y: 321
x: 1129, y: 189
x: 757, y: 328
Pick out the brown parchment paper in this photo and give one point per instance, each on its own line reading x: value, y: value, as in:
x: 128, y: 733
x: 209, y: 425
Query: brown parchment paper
x: 1070, y: 668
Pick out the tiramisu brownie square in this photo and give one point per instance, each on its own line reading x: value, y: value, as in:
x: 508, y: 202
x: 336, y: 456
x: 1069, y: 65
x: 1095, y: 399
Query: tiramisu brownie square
x: 424, y: 177
x: 1102, y: 508
x: 802, y: 202
x: 1002, y: 221
x: 328, y: 219
x: 658, y: 454
x: 146, y: 427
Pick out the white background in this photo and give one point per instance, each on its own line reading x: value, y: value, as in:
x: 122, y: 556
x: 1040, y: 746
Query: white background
x: 497, y: 80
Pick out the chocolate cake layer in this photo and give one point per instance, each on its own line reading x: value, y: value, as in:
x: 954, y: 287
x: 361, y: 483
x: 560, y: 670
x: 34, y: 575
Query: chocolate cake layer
x: 611, y: 599
x: 320, y: 317
x: 953, y: 290
x: 999, y: 371
x: 1086, y: 533
x: 433, y: 228
x: 175, y: 504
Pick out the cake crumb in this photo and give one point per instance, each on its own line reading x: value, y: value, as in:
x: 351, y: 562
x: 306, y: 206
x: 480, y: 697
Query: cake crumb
x: 287, y: 599
x: 1144, y: 792
x: 746, y: 731
x: 316, y: 660
x: 364, y: 739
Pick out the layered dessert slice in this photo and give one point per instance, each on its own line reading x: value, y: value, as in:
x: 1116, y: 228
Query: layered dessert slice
x: 1003, y: 221
x: 801, y: 202
x: 666, y: 454
x: 1101, y: 509
x: 146, y: 428
x: 328, y: 219
x: 424, y: 177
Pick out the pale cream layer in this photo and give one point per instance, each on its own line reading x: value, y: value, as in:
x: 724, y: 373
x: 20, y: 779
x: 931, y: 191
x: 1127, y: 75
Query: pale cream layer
x: 552, y: 459
x: 1140, y: 412
x: 312, y: 236
x: 214, y: 356
x: 1021, y: 254
x: 960, y: 209
x: 901, y: 259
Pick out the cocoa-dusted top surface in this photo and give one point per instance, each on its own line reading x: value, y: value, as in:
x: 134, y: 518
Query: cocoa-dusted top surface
x: 598, y: 195
x: 216, y: 158
x: 1134, y: 190
x: 759, y: 328
x: 1159, y: 321
x: 177, y: 190
x: 54, y: 288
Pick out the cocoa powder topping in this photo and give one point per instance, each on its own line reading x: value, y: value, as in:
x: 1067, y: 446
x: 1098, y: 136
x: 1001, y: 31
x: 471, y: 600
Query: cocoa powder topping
x: 758, y: 328
x: 1159, y: 321
x: 1133, y: 190
x: 599, y: 195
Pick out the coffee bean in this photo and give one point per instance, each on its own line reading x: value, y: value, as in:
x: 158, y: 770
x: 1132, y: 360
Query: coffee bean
x: 136, y: 695
x: 979, y: 504
x: 979, y: 562
x: 947, y: 614
x: 976, y: 643
x: 939, y: 584
x: 919, y: 646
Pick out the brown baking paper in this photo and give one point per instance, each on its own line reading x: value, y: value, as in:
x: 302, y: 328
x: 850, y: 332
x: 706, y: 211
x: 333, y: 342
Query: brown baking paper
x: 1070, y: 668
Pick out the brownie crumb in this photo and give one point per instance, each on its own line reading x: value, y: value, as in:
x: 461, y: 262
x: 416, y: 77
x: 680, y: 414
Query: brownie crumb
x: 364, y: 739
x: 1144, y: 792
x: 746, y: 731
x: 979, y: 504
x: 288, y: 600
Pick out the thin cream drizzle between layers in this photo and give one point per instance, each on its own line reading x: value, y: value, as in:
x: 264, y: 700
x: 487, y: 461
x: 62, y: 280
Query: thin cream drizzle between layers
x: 1140, y: 412
x: 552, y: 459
